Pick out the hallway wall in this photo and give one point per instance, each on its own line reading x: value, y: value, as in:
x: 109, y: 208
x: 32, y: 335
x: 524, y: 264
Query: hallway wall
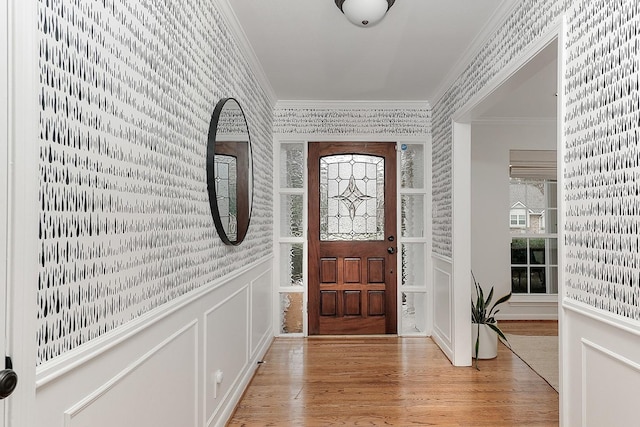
x: 490, y: 233
x: 600, y: 289
x: 138, y: 299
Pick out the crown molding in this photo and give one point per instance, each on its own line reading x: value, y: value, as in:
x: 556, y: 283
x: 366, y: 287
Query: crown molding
x: 515, y: 120
x: 229, y: 16
x: 353, y: 105
x: 506, y: 8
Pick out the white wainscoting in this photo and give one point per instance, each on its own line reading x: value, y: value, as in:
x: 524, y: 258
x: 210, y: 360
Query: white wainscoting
x: 601, y: 368
x: 443, y: 305
x: 530, y: 307
x: 160, y: 370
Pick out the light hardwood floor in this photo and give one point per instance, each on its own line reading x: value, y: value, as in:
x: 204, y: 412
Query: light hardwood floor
x: 391, y: 381
x: 530, y: 327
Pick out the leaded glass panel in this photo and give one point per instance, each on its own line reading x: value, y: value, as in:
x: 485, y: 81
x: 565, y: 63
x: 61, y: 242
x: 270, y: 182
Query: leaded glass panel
x: 291, y: 264
x: 291, y: 215
x: 291, y: 166
x: 413, y: 264
x: 412, y: 166
x: 414, y: 319
x: 291, y: 312
x: 351, y: 197
x: 412, y: 211
x: 225, y: 175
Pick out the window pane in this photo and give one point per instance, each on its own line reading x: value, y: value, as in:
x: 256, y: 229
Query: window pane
x: 412, y: 211
x: 291, y: 166
x: 553, y: 251
x: 537, y: 280
x: 519, y: 280
x: 536, y: 223
x: 537, y: 251
x: 291, y: 264
x: 413, y: 264
x: 412, y: 166
x: 351, y: 197
x: 413, y: 313
x: 552, y: 194
x: 552, y: 283
x: 551, y: 221
x: 518, y: 251
x: 535, y: 198
x: 291, y: 312
x: 291, y: 215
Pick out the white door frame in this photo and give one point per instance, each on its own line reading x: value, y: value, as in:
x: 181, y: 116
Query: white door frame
x: 4, y: 163
x: 461, y: 195
x: 21, y: 214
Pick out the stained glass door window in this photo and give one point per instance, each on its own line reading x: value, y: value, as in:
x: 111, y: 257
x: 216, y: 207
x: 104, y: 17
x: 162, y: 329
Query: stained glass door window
x: 351, y: 197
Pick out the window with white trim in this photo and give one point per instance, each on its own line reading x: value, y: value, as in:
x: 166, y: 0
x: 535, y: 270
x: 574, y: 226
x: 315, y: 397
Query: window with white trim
x: 534, y: 243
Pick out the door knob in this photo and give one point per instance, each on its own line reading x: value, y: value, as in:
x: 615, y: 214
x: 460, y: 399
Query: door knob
x: 391, y: 250
x: 8, y: 379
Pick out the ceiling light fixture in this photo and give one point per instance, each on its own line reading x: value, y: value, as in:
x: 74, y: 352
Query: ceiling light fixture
x: 364, y: 13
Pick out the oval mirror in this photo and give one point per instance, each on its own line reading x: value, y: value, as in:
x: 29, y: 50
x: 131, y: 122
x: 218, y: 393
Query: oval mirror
x: 229, y: 171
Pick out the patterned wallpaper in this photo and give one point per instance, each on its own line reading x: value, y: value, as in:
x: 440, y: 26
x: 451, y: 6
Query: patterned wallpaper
x: 530, y: 19
x: 602, y: 159
x: 353, y: 121
x: 601, y: 133
x: 126, y: 93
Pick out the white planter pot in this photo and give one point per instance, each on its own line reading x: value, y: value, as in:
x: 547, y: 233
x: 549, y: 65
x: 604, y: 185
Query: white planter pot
x: 488, y: 342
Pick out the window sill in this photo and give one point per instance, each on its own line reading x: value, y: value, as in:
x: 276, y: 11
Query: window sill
x: 534, y: 299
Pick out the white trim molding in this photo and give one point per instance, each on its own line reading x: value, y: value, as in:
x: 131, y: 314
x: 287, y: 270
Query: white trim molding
x: 353, y: 105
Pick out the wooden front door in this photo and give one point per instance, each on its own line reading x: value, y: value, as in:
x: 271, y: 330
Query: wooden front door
x: 352, y: 241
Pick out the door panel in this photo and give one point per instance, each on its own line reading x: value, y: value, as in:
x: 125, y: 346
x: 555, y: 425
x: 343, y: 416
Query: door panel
x: 352, y: 226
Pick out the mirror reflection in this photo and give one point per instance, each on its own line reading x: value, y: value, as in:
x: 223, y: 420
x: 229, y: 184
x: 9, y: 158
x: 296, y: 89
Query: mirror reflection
x: 229, y: 171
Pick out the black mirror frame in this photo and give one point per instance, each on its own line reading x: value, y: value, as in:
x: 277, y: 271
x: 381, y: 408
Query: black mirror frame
x: 211, y: 187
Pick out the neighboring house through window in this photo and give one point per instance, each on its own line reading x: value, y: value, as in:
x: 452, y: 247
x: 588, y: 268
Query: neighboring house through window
x: 518, y: 216
x: 533, y: 218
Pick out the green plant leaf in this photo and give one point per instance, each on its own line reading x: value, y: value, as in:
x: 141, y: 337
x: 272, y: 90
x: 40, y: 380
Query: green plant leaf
x: 495, y: 328
x: 489, y: 297
x: 500, y: 301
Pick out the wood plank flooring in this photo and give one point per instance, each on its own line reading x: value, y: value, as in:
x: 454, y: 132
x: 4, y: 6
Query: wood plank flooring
x: 530, y: 327
x: 390, y: 381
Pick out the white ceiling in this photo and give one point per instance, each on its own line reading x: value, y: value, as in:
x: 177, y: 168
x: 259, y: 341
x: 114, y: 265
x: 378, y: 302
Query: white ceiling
x: 309, y: 51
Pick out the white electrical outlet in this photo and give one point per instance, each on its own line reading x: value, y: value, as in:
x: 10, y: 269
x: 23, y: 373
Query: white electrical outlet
x: 219, y: 376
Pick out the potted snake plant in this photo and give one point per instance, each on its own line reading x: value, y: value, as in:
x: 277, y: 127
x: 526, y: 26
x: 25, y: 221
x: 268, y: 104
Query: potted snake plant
x: 485, y: 330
